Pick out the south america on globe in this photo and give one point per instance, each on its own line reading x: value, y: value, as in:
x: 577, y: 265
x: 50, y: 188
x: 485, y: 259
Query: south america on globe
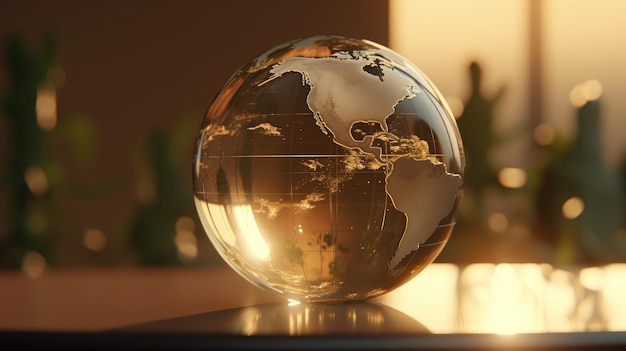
x: 328, y: 169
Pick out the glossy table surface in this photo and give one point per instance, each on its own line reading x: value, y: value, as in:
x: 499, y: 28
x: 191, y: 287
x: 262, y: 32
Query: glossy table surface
x: 480, y: 306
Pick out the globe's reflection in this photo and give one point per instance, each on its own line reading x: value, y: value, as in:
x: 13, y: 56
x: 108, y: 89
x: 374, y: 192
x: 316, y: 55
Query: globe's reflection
x: 303, y: 319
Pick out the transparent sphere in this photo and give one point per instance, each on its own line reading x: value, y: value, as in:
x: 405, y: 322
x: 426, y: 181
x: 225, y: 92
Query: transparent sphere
x: 328, y: 169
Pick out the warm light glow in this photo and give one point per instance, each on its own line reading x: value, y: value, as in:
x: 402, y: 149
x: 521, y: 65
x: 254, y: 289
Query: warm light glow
x: 34, y: 264
x: 576, y: 50
x: 218, y: 222
x: 573, y: 207
x: 94, y: 239
x: 46, y: 108
x: 498, y: 222
x: 442, y: 37
x: 560, y: 301
x: 544, y: 134
x: 36, y: 180
x: 186, y: 244
x: 501, y: 298
x: 577, y: 96
x: 292, y: 302
x: 506, y: 311
x: 613, y: 296
x: 456, y: 106
x: 477, y: 272
x: 185, y: 238
x: 591, y: 90
x: 244, y: 217
x: 513, y: 178
x: 533, y: 277
x: 515, y: 298
x: 185, y: 223
x: 592, y: 278
x: 435, y: 284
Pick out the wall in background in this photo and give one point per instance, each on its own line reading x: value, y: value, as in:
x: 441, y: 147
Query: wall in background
x: 132, y: 67
x: 579, y: 41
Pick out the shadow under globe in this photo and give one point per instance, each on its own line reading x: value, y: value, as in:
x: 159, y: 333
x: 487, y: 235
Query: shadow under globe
x: 298, y: 320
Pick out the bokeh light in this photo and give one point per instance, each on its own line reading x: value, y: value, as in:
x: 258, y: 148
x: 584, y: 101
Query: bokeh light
x: 544, y: 134
x: 590, y: 90
x: 592, y: 278
x: 185, y: 239
x: 573, y: 207
x: 498, y: 222
x: 46, y: 108
x: 36, y: 180
x: 34, y: 264
x: 511, y: 177
x: 94, y: 239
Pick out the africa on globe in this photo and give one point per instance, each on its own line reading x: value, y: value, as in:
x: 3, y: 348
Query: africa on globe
x: 328, y: 169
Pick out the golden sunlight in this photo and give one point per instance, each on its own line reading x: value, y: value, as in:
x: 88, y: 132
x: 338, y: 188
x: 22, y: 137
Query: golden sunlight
x: 506, y: 311
x: 429, y: 301
x: 592, y: 278
x: 250, y: 231
x: 442, y: 37
x: 219, y: 222
x: 614, y: 286
x: 456, y: 106
x: 559, y: 301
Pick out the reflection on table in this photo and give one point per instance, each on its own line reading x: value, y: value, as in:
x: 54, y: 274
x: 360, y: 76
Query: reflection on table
x: 444, y: 298
x: 293, y: 318
x: 514, y: 298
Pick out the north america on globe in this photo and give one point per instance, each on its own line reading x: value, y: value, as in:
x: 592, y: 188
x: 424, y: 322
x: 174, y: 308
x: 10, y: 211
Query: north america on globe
x: 348, y: 90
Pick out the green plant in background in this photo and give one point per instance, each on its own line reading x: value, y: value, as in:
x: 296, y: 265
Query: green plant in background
x: 36, y: 227
x: 39, y: 227
x: 476, y: 125
x: 580, y: 203
x: 165, y: 228
x: 31, y: 176
x: 32, y: 180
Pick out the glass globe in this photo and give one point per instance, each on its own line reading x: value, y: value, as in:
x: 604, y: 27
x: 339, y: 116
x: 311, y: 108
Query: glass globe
x: 328, y: 169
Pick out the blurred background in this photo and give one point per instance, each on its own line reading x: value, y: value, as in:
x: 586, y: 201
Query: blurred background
x: 101, y: 101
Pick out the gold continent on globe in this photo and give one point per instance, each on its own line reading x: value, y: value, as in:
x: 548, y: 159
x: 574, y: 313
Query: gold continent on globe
x: 328, y: 169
